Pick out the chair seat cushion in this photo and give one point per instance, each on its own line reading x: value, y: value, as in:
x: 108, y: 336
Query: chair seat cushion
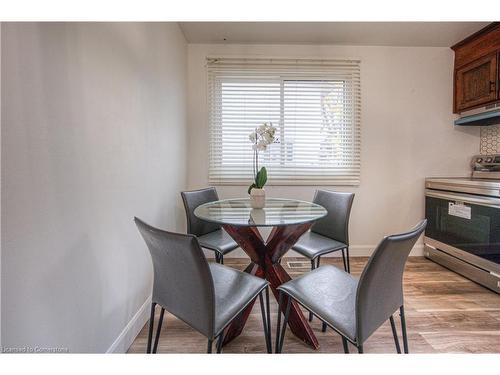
x: 329, y: 293
x: 234, y: 290
x: 312, y: 245
x: 218, y: 241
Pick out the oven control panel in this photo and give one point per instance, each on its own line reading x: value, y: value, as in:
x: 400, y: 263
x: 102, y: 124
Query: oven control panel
x: 486, y: 166
x: 485, y: 162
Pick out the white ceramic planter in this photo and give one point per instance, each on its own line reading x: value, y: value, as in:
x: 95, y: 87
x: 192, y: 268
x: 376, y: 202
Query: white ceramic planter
x: 257, y: 198
x: 258, y: 216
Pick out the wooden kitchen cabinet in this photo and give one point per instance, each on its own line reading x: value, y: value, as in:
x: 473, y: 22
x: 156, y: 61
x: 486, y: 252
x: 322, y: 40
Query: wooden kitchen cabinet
x: 477, y: 72
x: 476, y: 83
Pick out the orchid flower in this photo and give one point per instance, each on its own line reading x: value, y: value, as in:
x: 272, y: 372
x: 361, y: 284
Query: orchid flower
x: 261, y: 137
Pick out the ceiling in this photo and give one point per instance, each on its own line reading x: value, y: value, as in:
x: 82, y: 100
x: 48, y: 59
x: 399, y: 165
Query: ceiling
x: 419, y: 34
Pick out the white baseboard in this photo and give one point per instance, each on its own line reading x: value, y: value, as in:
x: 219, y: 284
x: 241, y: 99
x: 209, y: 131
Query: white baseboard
x: 354, y: 251
x: 131, y: 330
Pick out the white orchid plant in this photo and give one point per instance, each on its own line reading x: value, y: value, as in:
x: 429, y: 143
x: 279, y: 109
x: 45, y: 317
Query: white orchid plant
x: 261, y: 137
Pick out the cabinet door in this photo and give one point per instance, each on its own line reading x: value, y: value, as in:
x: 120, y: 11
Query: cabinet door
x: 476, y: 83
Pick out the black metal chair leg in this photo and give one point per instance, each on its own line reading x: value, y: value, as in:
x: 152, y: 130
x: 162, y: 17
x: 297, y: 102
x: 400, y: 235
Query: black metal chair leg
x: 323, y: 327
x: 360, y: 349
x: 158, y: 330
x: 268, y: 313
x: 219, y: 258
x: 395, y: 335
x: 151, y: 323
x: 344, y: 343
x: 264, y: 322
x: 219, y: 343
x: 313, y: 266
x: 285, y: 322
x: 403, y: 327
x: 347, y: 258
x: 343, y: 260
x: 278, y: 324
x: 209, y: 346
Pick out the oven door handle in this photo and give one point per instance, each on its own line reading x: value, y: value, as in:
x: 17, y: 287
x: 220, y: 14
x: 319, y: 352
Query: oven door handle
x: 465, y: 198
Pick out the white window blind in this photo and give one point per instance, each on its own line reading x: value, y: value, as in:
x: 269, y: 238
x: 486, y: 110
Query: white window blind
x: 314, y: 104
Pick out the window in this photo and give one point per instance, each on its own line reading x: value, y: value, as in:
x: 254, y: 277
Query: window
x: 314, y: 104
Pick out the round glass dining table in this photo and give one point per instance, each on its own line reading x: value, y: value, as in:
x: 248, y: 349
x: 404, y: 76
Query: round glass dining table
x: 289, y: 220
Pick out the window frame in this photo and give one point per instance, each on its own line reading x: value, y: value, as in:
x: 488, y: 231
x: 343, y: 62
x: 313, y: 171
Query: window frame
x: 320, y: 179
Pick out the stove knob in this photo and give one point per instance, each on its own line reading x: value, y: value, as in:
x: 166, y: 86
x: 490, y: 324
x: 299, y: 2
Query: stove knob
x: 488, y: 160
x: 479, y: 160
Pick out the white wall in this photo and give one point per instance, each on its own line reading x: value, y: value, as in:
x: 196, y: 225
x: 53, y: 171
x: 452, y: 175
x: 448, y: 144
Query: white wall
x: 407, y: 131
x: 0, y: 182
x: 93, y: 133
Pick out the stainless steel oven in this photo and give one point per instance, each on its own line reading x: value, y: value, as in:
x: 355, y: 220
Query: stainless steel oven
x: 463, y: 223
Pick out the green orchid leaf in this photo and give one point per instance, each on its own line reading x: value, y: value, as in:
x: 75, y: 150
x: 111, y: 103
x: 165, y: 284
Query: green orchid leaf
x: 256, y: 178
x: 251, y: 187
x: 261, y: 178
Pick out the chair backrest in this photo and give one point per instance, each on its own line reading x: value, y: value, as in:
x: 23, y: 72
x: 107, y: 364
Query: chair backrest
x: 335, y: 224
x: 380, y: 287
x: 183, y: 284
x: 193, y: 199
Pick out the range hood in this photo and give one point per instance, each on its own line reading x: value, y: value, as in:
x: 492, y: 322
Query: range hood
x: 481, y: 117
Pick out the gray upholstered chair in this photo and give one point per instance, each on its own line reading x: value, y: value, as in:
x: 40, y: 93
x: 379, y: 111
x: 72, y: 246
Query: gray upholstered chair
x: 330, y: 233
x: 210, y: 235
x: 356, y: 308
x: 206, y: 296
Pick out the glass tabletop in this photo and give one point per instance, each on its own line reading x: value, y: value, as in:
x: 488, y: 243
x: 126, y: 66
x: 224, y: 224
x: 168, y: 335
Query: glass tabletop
x: 276, y: 212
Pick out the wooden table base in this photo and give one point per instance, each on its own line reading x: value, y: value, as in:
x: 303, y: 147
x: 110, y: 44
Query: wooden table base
x: 265, y: 264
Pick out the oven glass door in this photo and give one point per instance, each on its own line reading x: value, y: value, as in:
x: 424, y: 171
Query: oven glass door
x: 460, y: 221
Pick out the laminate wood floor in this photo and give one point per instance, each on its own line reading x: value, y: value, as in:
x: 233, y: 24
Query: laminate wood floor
x: 445, y: 313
